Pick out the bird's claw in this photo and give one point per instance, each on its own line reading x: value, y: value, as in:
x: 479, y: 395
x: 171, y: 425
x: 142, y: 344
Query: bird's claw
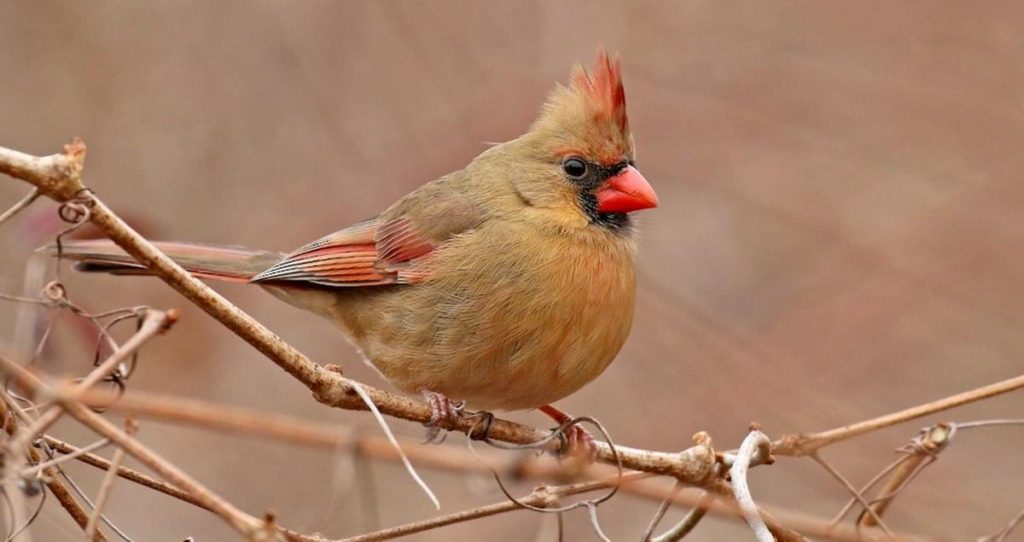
x: 444, y: 414
x: 577, y: 443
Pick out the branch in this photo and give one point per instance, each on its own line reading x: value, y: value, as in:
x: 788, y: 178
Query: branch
x: 242, y: 421
x: 154, y: 322
x: 247, y: 525
x: 124, y: 472
x: 807, y: 443
x: 50, y: 477
x: 106, y: 486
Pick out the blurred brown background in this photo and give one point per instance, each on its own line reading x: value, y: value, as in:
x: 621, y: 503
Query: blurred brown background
x: 840, y: 232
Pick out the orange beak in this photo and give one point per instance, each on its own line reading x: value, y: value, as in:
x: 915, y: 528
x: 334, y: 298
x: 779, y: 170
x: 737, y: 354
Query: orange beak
x: 626, y: 192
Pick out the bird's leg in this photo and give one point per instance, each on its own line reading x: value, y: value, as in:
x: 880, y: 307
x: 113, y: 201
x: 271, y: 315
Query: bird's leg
x: 444, y: 414
x: 579, y: 441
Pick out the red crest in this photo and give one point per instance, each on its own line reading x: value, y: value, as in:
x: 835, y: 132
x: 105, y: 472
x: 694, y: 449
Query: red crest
x: 603, y: 89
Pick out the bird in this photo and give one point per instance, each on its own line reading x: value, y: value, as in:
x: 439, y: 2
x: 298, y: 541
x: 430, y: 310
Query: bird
x: 508, y: 284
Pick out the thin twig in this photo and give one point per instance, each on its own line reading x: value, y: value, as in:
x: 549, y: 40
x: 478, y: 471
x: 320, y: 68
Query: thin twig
x: 17, y: 207
x: 1002, y: 535
x: 867, y: 487
x: 53, y: 483
x: 124, y: 472
x: 660, y: 513
x: 35, y: 469
x: 247, y: 422
x: 689, y: 521
x: 853, y: 491
x: 247, y: 525
x: 154, y: 322
x: 988, y: 423
x: 807, y: 443
x: 104, y: 492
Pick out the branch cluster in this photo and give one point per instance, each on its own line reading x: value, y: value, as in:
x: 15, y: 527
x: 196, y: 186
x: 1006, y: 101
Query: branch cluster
x: 721, y: 476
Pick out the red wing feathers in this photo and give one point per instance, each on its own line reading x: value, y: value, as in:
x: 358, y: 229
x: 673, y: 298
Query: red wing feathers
x: 370, y: 253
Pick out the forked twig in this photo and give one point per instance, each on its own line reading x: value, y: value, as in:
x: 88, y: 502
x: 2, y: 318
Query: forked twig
x: 853, y: 491
x: 8, y: 411
x: 247, y: 525
x: 922, y: 451
x: 154, y: 322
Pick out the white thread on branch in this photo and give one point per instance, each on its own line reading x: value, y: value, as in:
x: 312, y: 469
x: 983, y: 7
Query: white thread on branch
x: 394, y: 442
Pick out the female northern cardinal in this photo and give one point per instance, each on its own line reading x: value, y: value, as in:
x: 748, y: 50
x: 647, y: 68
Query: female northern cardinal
x: 509, y: 284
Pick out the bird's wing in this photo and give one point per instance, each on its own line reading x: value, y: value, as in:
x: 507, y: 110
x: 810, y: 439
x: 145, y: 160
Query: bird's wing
x: 389, y: 249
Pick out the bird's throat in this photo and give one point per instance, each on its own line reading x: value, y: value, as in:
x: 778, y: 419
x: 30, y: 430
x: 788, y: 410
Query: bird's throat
x: 611, y: 221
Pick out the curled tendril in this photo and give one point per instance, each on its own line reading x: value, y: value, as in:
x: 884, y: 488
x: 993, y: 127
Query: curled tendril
x: 559, y: 433
x: 55, y: 292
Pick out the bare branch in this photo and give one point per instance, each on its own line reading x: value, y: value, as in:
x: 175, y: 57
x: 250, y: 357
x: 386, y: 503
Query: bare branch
x: 247, y: 525
x: 206, y: 414
x: 807, y: 443
x: 124, y: 472
x: 60, y: 492
x: 154, y: 322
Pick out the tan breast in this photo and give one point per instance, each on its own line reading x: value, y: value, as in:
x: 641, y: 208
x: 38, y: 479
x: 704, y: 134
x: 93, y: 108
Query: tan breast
x: 513, y: 317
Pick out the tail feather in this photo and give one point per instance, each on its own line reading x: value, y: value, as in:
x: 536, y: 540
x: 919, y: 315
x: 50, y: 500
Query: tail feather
x: 228, y: 263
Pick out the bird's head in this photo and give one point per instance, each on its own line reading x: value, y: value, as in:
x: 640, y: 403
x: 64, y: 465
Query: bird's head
x: 583, y: 152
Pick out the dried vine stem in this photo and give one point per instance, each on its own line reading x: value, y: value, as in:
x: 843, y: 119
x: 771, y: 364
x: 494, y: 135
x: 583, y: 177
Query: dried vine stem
x: 799, y: 524
x: 154, y: 322
x: 67, y: 501
x: 454, y: 458
x: 107, y: 485
x: 249, y: 526
x: 59, y: 177
x: 807, y: 443
x: 19, y: 206
x: 206, y: 414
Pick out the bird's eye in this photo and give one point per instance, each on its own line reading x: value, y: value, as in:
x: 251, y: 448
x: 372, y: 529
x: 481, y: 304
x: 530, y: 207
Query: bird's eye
x: 575, y: 168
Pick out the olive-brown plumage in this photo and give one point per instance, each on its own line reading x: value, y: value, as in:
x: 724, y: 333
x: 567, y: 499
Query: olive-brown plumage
x: 509, y: 284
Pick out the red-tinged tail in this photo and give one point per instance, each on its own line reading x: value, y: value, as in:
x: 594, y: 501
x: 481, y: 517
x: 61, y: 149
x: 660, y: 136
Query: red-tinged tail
x: 228, y: 263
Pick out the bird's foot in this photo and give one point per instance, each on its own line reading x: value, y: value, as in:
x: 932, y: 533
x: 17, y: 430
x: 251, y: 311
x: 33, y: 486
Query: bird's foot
x: 577, y: 441
x: 444, y: 414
